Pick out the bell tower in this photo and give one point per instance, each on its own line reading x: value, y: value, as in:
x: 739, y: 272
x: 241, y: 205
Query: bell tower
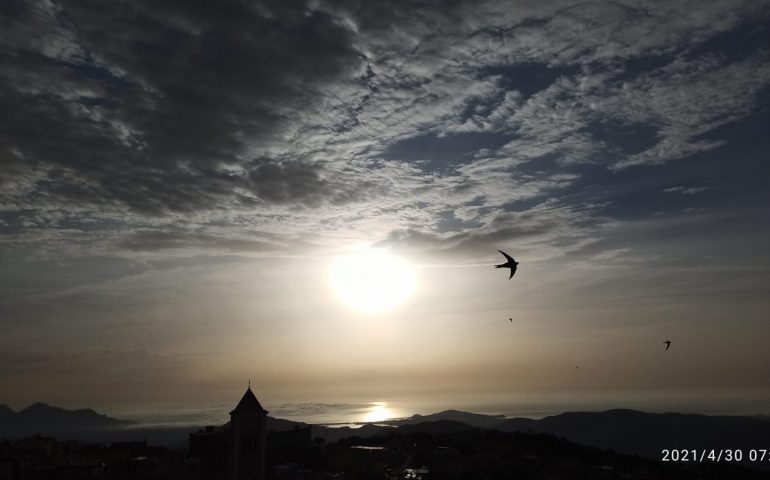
x: 248, y: 424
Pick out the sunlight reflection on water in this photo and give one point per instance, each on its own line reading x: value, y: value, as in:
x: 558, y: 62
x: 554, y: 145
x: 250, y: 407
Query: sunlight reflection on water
x: 338, y: 414
x: 378, y: 412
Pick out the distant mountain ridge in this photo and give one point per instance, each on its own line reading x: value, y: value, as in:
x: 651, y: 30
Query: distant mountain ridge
x: 646, y: 434
x: 475, y: 419
x: 44, y: 418
x: 625, y: 431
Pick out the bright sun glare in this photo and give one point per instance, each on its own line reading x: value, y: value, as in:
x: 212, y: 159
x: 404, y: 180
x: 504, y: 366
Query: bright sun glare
x: 373, y: 281
x: 378, y: 412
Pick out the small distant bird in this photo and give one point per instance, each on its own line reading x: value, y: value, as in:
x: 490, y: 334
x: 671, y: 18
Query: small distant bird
x: 668, y: 344
x: 511, y: 263
x: 576, y: 367
x: 510, y: 319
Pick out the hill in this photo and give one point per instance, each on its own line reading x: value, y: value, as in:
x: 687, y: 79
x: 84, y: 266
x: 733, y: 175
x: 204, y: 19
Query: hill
x: 646, y: 434
x: 43, y: 418
x: 625, y: 431
x: 474, y: 419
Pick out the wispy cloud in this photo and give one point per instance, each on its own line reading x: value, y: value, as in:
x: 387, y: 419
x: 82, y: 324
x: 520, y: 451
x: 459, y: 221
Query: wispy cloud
x: 686, y: 190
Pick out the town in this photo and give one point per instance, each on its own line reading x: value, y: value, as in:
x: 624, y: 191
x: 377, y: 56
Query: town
x: 245, y: 449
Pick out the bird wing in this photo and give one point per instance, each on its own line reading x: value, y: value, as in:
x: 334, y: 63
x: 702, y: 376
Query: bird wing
x: 507, y: 257
x: 513, y: 270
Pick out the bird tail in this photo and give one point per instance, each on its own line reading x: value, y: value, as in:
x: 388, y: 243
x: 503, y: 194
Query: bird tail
x: 500, y: 266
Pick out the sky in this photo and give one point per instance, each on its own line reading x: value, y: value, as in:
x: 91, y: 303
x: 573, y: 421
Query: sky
x: 178, y: 179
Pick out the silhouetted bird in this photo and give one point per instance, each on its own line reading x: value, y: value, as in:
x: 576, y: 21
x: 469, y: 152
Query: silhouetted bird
x: 668, y: 343
x: 510, y: 320
x: 511, y: 263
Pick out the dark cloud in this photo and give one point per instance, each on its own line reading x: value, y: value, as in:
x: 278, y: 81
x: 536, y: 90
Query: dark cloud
x: 141, y: 101
x: 685, y: 190
x: 287, y: 182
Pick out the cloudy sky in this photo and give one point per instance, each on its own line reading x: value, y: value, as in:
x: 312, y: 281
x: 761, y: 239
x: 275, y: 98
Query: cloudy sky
x: 177, y: 177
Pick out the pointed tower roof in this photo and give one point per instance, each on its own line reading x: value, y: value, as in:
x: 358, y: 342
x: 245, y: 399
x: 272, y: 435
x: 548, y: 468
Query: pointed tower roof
x: 249, y: 404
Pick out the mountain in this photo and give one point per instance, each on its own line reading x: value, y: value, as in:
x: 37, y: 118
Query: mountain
x: 46, y: 419
x: 626, y: 431
x: 281, y: 425
x: 436, y: 427
x: 334, y: 434
x: 473, y: 419
x: 646, y: 434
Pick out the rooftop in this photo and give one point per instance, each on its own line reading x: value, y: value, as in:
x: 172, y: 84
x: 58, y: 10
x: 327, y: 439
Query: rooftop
x: 249, y: 404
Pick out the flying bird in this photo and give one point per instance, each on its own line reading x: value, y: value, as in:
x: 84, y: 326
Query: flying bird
x: 510, y: 319
x: 511, y: 263
x: 668, y: 343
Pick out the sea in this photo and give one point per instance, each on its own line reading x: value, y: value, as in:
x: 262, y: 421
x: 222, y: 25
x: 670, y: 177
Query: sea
x: 534, y: 405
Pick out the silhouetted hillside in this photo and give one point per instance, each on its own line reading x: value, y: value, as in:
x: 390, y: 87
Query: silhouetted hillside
x: 646, y: 434
x: 281, y: 425
x: 475, y: 419
x: 436, y: 427
x: 625, y: 431
x: 42, y: 418
x: 334, y: 434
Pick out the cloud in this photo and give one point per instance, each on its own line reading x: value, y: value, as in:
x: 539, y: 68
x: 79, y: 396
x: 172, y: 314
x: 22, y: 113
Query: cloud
x: 543, y: 232
x: 157, y: 102
x: 162, y: 110
x: 686, y: 190
x: 146, y: 128
x: 692, y: 99
x: 164, y: 240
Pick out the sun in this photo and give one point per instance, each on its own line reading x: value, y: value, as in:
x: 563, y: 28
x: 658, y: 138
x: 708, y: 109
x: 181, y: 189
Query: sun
x: 373, y: 281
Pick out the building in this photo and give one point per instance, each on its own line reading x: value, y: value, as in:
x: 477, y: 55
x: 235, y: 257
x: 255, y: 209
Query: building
x: 248, y: 428
x: 244, y: 448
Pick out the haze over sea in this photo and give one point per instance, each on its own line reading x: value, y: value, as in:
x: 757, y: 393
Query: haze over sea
x: 524, y: 404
